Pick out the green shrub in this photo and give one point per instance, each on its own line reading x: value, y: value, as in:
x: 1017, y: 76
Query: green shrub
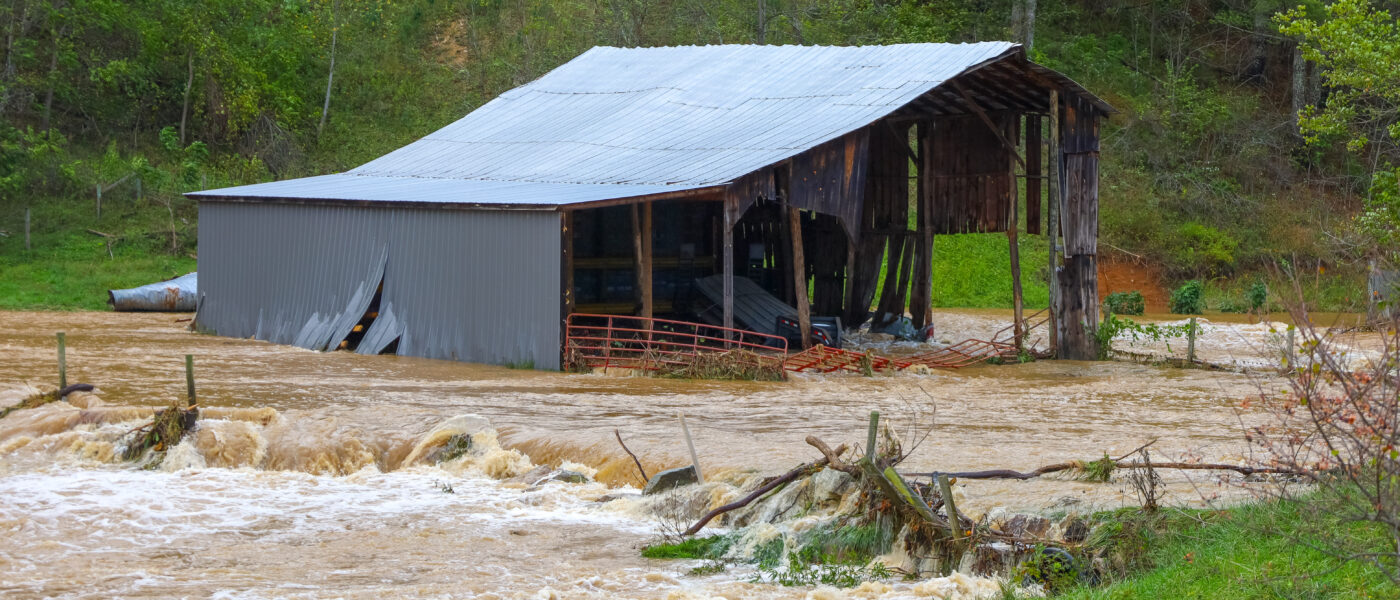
x: 1125, y: 303
x: 1257, y: 295
x: 1205, y: 249
x: 1188, y: 299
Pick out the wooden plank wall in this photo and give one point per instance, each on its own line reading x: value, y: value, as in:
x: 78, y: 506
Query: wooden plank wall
x: 1079, y: 213
x: 884, y: 220
x: 830, y: 179
x: 968, y: 181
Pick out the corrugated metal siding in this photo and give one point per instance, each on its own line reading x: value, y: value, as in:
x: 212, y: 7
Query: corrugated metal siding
x: 478, y: 286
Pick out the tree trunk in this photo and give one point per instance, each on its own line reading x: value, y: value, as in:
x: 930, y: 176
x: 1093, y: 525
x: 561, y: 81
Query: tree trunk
x: 330, y: 75
x: 762, y: 21
x: 53, y: 70
x: 189, y: 83
x: 1023, y: 22
x: 7, y: 75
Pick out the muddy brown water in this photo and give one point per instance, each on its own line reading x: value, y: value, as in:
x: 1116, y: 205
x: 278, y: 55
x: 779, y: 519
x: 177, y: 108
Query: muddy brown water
x: 295, y: 485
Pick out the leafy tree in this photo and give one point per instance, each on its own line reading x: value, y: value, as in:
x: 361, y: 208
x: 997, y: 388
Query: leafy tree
x: 1357, y: 46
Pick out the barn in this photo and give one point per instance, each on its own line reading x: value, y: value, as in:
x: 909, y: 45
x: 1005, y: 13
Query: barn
x: 621, y: 181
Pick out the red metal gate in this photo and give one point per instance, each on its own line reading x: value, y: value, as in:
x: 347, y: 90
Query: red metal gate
x: 602, y: 341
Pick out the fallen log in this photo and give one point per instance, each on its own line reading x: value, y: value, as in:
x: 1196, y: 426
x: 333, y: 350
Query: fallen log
x: 1074, y: 465
x: 764, y: 489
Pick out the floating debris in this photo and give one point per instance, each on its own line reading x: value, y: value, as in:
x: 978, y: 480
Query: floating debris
x: 38, y: 399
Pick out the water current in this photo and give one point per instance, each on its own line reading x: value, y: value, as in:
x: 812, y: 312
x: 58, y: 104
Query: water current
x: 304, y: 478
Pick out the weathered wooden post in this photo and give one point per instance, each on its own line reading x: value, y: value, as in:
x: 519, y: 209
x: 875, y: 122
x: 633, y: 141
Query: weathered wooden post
x: 870, y: 436
x: 189, y: 379
x: 26, y: 228
x: 799, y: 278
x: 694, y: 459
x: 954, y: 522
x: 1052, y: 219
x: 1191, y: 341
x: 62, y: 362
x: 99, y: 201
x: 1289, y: 357
x: 1015, y: 249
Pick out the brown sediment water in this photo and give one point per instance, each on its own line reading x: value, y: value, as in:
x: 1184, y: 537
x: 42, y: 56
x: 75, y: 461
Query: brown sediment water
x: 298, y: 481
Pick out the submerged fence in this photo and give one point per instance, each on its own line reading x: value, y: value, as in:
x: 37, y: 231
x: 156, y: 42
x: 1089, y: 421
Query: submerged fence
x: 603, y: 341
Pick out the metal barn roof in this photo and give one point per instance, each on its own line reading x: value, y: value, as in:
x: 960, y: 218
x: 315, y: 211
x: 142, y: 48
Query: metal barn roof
x: 628, y: 122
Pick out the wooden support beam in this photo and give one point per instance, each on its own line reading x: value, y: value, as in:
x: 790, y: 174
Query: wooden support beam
x: 1033, y: 175
x: 799, y: 277
x: 990, y: 124
x: 913, y: 156
x: 1052, y: 220
x: 644, y: 271
x: 921, y: 296
x: 566, y: 280
x: 1017, y: 314
x: 730, y: 207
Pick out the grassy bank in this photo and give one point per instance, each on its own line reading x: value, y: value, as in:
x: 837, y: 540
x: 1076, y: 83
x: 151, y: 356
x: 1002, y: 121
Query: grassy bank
x: 67, y: 267
x: 1257, y: 550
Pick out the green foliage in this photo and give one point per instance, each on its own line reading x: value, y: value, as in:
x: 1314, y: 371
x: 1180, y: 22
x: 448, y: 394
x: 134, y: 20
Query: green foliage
x: 1048, y: 567
x: 1112, y: 327
x: 1379, y: 219
x: 799, y: 572
x: 1188, y: 299
x: 1125, y: 303
x: 1098, y: 471
x: 1257, y: 295
x: 711, y: 547
x: 1357, y: 45
x: 1204, y: 249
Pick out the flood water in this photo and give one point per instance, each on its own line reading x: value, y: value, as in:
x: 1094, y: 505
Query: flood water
x: 302, y: 479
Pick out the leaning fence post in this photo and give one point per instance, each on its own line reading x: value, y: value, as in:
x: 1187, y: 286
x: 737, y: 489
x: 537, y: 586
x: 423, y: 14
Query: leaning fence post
x: 870, y: 436
x: 1191, y: 341
x: 62, y: 361
x: 954, y: 522
x: 189, y: 379
x: 694, y: 460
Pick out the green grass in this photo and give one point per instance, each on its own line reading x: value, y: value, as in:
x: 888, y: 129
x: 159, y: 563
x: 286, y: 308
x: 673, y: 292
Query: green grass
x: 690, y: 548
x: 69, y: 268
x: 1251, y: 551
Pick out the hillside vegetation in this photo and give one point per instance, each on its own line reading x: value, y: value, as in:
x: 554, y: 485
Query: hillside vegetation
x: 1205, y: 172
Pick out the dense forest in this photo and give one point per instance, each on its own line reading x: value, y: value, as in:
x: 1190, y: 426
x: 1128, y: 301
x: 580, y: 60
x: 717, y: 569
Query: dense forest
x: 112, y: 109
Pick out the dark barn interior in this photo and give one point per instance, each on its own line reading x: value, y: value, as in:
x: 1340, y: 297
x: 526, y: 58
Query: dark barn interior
x: 846, y: 229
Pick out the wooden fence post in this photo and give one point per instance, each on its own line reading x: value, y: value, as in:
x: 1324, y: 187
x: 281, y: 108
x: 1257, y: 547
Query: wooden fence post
x: 26, y: 228
x: 954, y: 522
x: 1191, y: 341
x: 189, y: 379
x: 62, y: 361
x: 1288, y: 354
x: 99, y: 201
x: 870, y: 436
x: 694, y: 459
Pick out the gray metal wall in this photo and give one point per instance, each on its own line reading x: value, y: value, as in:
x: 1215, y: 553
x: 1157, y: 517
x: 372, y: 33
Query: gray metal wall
x: 476, y: 286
